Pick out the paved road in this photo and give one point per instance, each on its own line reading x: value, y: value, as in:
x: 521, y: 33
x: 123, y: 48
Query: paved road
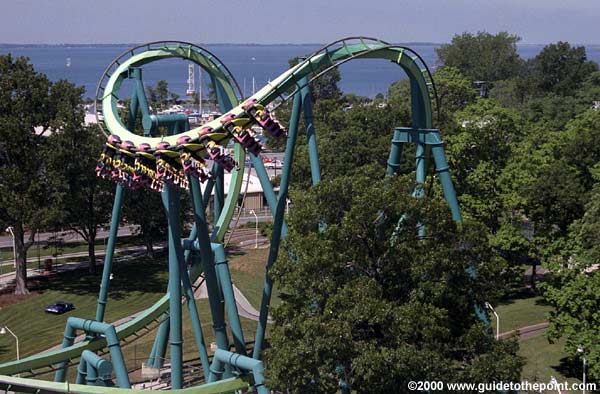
x: 526, y: 332
x: 72, y: 236
x: 67, y: 236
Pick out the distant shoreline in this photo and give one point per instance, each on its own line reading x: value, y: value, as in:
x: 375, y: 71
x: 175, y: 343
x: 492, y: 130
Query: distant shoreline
x: 212, y: 44
x: 71, y: 45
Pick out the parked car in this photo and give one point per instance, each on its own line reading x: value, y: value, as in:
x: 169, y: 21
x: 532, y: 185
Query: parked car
x: 59, y: 307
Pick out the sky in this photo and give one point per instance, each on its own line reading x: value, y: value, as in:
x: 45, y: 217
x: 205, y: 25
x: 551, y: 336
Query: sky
x: 295, y: 21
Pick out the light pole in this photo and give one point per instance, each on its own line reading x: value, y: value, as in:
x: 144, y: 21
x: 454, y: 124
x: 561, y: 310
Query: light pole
x: 9, y: 229
x: 489, y: 306
x: 4, y: 330
x: 256, y: 232
x: 287, y: 205
x: 581, y: 350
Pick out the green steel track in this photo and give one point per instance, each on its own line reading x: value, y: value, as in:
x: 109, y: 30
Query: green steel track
x: 277, y: 91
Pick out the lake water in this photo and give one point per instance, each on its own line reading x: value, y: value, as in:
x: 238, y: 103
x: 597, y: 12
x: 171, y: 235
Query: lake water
x: 261, y: 62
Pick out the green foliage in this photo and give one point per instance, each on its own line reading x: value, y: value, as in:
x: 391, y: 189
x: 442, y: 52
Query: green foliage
x: 455, y: 92
x: 483, y: 56
x: 581, y: 148
x: 145, y: 209
x: 477, y: 152
x: 560, y: 68
x: 513, y: 92
x: 326, y: 86
x: 574, y: 295
x: 86, y: 200
x: 368, y: 295
x: 28, y: 100
x: 162, y: 91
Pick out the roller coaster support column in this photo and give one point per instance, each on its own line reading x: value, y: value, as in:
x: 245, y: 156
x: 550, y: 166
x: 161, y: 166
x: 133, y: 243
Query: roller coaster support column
x: 432, y: 138
x: 226, y: 286
x: 393, y: 163
x: 279, y: 231
x: 159, y: 349
x: 191, y: 303
x: 419, y: 121
x: 209, y: 185
x: 112, y: 341
x: 97, y: 369
x: 81, y: 371
x: 309, y: 122
x: 443, y: 170
x: 223, y: 357
x: 214, y: 295
x: 138, y: 101
x: 110, y: 250
x: 171, y: 202
x: 224, y: 105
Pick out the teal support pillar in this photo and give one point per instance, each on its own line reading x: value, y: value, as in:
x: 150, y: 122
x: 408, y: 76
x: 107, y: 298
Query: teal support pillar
x: 232, y: 313
x: 419, y: 121
x: 215, y: 299
x: 138, y: 101
x: 309, y: 122
x: 159, y: 349
x: 81, y: 372
x: 219, y: 196
x: 393, y: 163
x: 263, y: 177
x: 110, y: 250
x: 112, y: 341
x: 420, y: 163
x: 171, y: 201
x: 225, y: 105
x: 443, y: 171
x: 256, y: 367
x: 92, y: 376
x: 194, y: 317
x: 133, y: 109
x: 279, y: 231
x: 99, y: 370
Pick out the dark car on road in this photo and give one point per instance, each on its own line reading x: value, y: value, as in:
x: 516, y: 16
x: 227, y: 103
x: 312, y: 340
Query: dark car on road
x: 59, y: 307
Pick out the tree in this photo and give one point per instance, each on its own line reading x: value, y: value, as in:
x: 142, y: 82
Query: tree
x: 86, y: 199
x: 367, y: 301
x: 573, y: 290
x: 145, y: 208
x: 162, y: 92
x: 484, y: 56
x: 152, y: 96
x: 580, y: 145
x: 326, y: 86
x: 455, y: 93
x: 560, y: 68
x: 478, y: 150
x: 27, y: 100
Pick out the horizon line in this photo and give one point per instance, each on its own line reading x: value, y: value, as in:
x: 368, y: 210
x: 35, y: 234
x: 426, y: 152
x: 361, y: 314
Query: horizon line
x: 429, y: 43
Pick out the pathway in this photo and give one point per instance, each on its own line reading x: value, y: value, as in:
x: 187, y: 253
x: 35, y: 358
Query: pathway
x: 526, y: 332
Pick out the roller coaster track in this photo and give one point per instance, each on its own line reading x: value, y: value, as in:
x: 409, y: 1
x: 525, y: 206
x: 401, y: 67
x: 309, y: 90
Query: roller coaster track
x: 275, y: 92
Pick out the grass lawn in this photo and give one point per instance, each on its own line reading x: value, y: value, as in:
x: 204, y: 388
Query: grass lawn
x: 38, y: 331
x: 544, y: 360
x: 521, y: 312
x: 248, y: 274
